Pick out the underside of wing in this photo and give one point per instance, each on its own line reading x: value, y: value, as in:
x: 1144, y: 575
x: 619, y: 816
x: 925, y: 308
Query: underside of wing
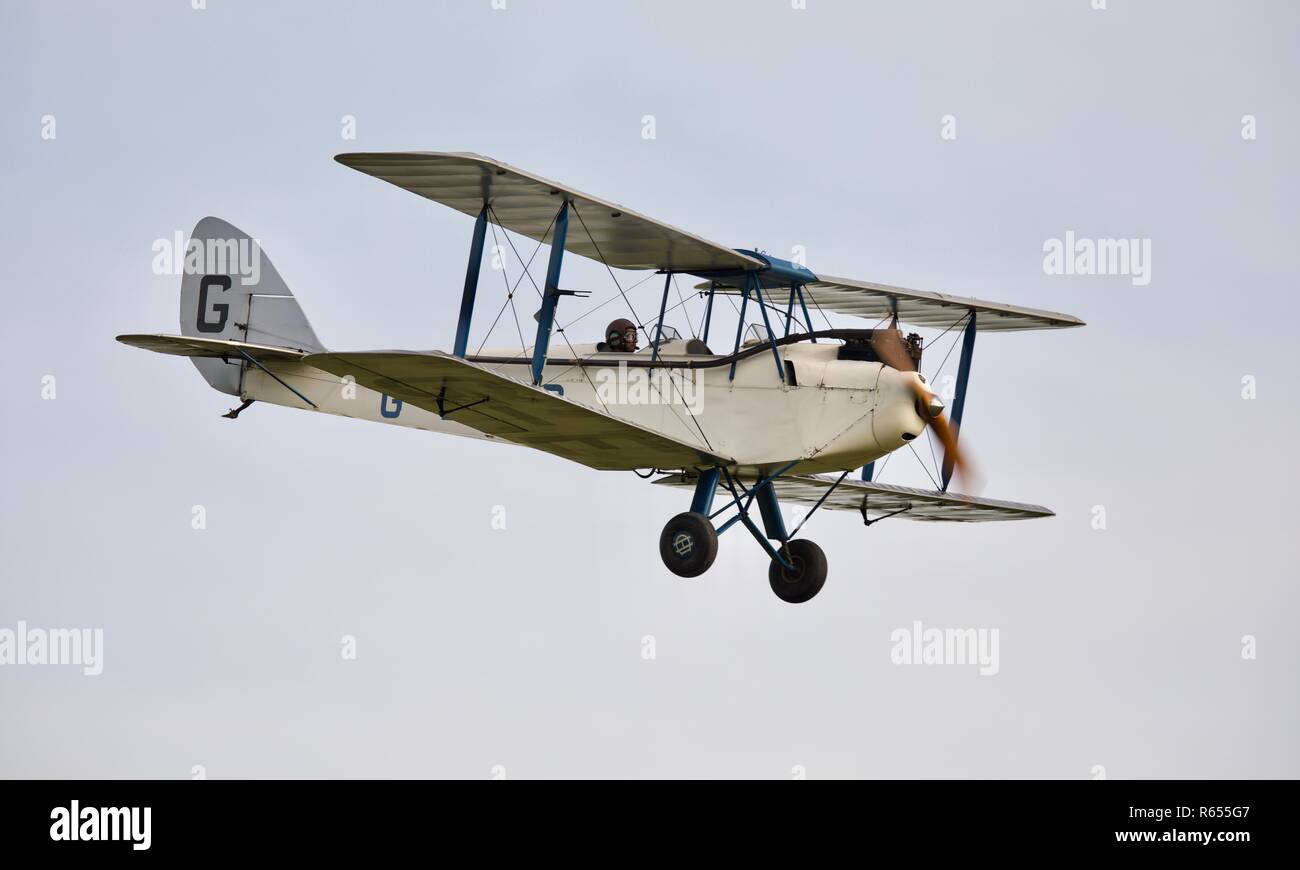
x: 512, y: 410
x: 924, y: 505
x: 915, y: 307
x: 527, y: 204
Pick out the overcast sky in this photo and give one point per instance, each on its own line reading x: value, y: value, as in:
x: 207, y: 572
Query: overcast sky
x: 522, y: 651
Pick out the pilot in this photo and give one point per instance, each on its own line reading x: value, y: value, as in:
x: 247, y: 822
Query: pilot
x: 621, y: 336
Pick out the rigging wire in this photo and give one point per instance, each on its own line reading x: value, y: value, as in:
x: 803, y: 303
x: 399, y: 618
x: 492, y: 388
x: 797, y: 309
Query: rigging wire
x: 641, y: 326
x: 934, y: 378
x: 686, y: 311
x: 922, y: 464
x: 635, y: 317
x: 510, y: 296
x: 527, y: 266
x: 607, y: 301
x: 818, y: 306
x: 510, y: 291
x: 560, y: 330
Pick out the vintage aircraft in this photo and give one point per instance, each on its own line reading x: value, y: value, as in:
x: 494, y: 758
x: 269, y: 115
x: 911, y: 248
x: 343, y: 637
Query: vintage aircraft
x: 786, y: 415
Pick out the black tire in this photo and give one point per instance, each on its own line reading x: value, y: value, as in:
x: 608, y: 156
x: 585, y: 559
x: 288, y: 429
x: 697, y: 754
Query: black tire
x: 688, y: 544
x: 808, y: 576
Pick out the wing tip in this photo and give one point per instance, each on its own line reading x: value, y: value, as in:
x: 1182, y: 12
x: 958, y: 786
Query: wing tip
x: 351, y: 158
x: 133, y: 339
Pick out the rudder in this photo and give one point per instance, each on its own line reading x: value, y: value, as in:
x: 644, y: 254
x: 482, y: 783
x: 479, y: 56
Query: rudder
x: 230, y: 290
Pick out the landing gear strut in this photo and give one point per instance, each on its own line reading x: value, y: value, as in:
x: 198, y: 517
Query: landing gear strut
x: 689, y: 542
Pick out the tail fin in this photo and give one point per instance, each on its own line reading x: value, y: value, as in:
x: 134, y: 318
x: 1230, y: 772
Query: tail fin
x: 231, y: 291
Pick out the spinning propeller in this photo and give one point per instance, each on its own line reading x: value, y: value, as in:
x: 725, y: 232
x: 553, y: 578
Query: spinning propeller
x: 888, y: 344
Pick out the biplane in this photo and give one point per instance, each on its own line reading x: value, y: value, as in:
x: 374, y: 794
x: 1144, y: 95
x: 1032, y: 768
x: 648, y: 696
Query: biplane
x: 788, y: 412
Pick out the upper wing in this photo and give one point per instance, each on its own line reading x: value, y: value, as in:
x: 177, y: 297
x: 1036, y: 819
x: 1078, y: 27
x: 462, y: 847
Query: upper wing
x: 183, y: 345
x: 512, y: 410
x: 916, y: 307
x: 915, y: 504
x: 527, y: 204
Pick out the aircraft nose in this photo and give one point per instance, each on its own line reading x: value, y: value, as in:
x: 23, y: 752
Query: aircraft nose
x: 899, y: 417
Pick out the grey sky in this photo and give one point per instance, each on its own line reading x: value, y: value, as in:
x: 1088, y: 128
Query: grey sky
x: 774, y: 127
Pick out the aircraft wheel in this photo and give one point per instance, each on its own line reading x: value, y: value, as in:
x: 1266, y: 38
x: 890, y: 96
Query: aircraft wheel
x: 809, y: 574
x: 688, y: 544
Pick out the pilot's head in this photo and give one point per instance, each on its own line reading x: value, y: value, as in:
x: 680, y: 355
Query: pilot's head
x: 621, y: 336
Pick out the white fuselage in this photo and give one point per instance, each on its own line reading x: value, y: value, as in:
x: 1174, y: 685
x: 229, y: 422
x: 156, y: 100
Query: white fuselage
x: 841, y: 415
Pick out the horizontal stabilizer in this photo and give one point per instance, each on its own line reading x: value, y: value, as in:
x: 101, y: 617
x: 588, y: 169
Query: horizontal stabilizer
x: 210, y: 348
x: 925, y: 505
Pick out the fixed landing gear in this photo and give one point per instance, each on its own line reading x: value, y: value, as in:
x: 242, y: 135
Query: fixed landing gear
x: 688, y: 544
x: 805, y: 576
